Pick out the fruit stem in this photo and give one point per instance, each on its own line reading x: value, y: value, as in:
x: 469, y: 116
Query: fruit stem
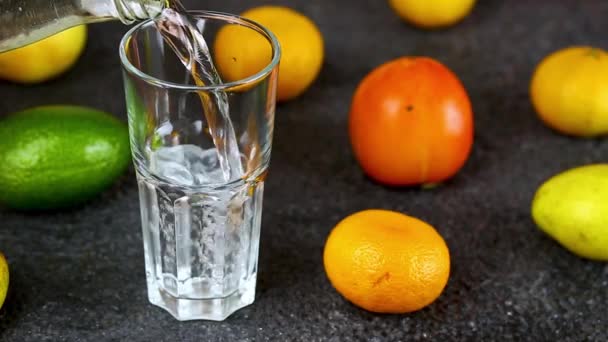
x: 595, y: 53
x: 429, y: 186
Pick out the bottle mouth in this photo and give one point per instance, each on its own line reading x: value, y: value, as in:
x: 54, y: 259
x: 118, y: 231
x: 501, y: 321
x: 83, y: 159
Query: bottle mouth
x: 129, y: 11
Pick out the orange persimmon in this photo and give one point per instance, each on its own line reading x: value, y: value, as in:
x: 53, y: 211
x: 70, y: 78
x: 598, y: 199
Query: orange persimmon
x: 411, y: 122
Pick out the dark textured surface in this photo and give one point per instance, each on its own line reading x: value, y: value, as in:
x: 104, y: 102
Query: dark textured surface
x: 78, y: 275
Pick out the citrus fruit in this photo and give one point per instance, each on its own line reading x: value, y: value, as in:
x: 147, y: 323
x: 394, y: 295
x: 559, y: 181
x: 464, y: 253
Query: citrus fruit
x: 3, y: 279
x: 386, y: 262
x: 571, y: 207
x: 45, y: 59
x: 59, y: 156
x: 411, y: 122
x: 432, y: 13
x: 241, y: 52
x: 569, y: 91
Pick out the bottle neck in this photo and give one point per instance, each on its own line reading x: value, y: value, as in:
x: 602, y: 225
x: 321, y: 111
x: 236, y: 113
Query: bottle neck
x: 127, y: 11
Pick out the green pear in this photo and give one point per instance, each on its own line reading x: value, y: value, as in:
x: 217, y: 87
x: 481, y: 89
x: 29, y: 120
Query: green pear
x: 3, y: 279
x: 572, y: 208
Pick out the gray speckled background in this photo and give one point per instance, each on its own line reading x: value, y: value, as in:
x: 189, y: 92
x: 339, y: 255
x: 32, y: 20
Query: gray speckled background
x: 78, y: 275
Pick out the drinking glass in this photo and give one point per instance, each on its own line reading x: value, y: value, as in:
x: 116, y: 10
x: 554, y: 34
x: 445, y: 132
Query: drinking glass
x: 200, y: 168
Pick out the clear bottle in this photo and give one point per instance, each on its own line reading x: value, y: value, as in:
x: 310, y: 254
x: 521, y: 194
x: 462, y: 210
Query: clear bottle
x: 25, y: 21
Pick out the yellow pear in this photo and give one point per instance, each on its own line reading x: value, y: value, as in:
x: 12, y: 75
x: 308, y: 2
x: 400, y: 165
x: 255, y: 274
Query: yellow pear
x: 571, y: 207
x: 3, y: 279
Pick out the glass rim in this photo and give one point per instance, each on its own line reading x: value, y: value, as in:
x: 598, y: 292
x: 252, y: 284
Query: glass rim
x: 228, y: 18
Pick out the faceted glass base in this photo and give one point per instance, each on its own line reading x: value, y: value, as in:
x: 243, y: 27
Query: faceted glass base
x: 214, y: 309
x: 201, y: 248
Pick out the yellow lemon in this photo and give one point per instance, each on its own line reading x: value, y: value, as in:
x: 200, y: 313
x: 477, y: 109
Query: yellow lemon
x: 3, y: 279
x: 569, y: 90
x: 241, y: 52
x: 432, y: 13
x: 45, y: 59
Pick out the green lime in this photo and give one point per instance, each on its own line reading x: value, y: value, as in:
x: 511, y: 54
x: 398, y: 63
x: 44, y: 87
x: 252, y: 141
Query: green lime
x: 59, y: 156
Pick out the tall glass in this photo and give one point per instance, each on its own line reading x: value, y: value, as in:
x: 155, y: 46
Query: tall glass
x: 201, y: 224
